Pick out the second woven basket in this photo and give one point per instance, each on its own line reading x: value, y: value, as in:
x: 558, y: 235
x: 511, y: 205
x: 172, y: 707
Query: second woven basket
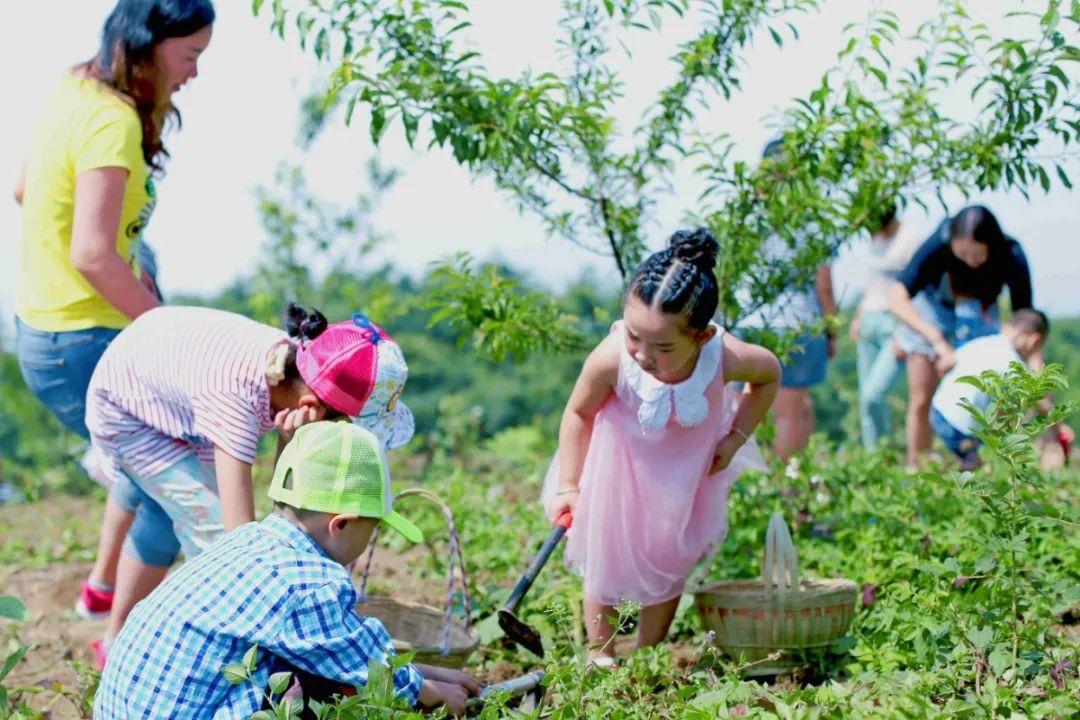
x: 752, y: 619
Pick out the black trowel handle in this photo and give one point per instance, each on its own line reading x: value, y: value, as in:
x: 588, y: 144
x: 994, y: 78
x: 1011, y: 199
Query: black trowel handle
x: 526, y: 581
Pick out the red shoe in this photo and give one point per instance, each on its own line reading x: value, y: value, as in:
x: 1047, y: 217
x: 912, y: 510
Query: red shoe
x: 93, y: 604
x: 100, y: 653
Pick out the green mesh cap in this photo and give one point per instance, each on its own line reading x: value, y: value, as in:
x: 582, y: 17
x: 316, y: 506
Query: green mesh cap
x: 338, y: 467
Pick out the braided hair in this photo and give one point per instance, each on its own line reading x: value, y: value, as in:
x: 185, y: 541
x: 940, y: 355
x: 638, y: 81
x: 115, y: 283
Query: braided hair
x: 681, y: 279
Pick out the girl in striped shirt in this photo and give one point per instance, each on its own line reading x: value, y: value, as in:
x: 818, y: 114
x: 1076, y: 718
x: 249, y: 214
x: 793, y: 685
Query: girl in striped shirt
x: 178, y: 403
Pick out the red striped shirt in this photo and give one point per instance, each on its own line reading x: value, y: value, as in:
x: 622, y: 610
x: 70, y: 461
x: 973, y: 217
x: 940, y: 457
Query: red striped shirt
x: 181, y: 380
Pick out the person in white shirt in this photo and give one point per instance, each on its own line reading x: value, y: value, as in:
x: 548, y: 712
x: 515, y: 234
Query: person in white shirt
x: 1020, y: 339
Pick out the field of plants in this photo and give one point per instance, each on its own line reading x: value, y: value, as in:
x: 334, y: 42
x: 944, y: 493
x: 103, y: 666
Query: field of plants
x: 969, y: 583
x: 969, y: 586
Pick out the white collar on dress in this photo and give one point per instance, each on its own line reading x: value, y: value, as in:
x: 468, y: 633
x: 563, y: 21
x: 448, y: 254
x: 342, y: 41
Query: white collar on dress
x: 688, y: 396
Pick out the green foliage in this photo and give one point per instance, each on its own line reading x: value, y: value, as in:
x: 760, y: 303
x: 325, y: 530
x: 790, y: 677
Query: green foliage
x: 504, y: 320
x: 377, y: 698
x: 1009, y: 496
x: 11, y: 608
x: 871, y: 132
x: 930, y: 639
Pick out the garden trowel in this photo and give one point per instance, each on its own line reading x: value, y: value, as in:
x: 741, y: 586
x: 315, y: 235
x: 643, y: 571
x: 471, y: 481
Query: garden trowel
x: 514, y: 628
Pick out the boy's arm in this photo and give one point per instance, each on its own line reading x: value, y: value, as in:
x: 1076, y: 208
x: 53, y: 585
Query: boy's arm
x: 234, y: 487
x: 323, y: 635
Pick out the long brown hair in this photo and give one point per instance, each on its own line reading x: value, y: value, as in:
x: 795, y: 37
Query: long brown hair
x: 125, y: 61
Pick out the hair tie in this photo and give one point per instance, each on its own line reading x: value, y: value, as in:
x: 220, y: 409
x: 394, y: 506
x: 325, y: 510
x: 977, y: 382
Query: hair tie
x: 275, y: 364
x: 361, y: 320
x: 302, y: 326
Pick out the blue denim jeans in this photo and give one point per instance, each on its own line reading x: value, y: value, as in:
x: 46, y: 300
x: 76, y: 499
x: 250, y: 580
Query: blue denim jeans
x: 878, y: 368
x: 57, y: 367
x: 151, y: 538
x: 807, y: 364
x: 965, y: 447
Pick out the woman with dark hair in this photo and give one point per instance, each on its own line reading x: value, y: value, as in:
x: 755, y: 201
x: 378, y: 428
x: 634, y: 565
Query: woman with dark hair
x: 947, y: 295
x: 87, y: 192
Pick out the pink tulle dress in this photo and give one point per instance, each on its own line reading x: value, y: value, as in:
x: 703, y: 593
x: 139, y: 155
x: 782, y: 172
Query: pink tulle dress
x: 648, y: 509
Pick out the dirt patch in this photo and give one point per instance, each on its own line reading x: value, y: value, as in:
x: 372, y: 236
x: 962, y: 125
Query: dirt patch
x: 57, y: 635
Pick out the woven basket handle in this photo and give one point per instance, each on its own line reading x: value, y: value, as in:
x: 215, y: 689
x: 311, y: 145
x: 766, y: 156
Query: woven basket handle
x: 780, y: 570
x: 456, y: 556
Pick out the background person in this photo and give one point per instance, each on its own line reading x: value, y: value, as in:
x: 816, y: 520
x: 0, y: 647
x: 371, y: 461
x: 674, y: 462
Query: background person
x: 948, y: 295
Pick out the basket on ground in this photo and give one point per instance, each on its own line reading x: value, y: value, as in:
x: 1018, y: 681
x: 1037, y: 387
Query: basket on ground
x: 436, y: 636
x: 752, y: 619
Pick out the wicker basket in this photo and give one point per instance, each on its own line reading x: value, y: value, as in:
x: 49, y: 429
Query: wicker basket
x: 434, y: 635
x: 752, y: 619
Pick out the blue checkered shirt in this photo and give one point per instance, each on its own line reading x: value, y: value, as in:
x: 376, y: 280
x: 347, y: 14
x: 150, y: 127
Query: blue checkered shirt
x: 265, y: 583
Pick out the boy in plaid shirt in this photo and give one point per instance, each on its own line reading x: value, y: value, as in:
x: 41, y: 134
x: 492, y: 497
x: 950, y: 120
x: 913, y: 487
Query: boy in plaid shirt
x: 280, y: 584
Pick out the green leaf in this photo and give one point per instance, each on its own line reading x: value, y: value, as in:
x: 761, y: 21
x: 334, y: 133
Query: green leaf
x: 776, y: 38
x: 410, y: 122
x: 12, y: 608
x: 709, y: 699
x: 1000, y: 660
x: 235, y: 673
x: 256, y: 6
x: 378, y: 123
x: 279, y: 682
x: 12, y: 660
x: 251, y: 658
x: 1063, y: 177
x: 981, y: 637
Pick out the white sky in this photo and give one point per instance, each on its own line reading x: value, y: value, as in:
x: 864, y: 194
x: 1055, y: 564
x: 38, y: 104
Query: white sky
x: 240, y: 121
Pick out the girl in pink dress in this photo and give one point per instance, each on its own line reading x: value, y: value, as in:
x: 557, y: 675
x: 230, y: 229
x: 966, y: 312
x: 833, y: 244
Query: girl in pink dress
x: 651, y: 440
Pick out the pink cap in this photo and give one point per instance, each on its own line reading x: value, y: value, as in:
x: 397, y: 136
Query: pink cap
x: 356, y: 368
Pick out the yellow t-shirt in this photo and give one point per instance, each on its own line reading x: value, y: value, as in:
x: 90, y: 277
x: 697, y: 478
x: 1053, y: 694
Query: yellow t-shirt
x: 85, y: 126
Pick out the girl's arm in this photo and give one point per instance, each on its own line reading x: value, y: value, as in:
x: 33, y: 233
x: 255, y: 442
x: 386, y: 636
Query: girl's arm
x: 234, y: 487
x: 760, y: 370
x: 99, y: 198
x: 593, y: 387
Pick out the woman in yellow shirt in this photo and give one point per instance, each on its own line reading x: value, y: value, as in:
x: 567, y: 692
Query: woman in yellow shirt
x: 87, y: 192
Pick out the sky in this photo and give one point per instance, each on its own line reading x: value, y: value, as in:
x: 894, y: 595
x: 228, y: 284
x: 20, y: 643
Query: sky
x: 240, y: 121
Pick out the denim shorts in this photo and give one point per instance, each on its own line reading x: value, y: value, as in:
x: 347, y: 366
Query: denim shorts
x: 57, y: 367
x: 151, y: 538
x: 965, y: 447
x: 184, y: 507
x: 807, y: 364
x: 959, y: 323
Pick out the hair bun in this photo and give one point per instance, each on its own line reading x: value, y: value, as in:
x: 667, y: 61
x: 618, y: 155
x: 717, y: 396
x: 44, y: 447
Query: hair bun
x: 695, y: 247
x: 299, y: 324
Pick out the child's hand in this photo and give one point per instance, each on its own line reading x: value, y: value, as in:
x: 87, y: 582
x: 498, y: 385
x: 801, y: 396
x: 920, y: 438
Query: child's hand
x: 854, y: 327
x: 447, y: 675
x: 288, y: 421
x: 565, y: 500
x: 898, y: 349
x: 434, y: 693
x: 725, y: 451
x: 946, y: 357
